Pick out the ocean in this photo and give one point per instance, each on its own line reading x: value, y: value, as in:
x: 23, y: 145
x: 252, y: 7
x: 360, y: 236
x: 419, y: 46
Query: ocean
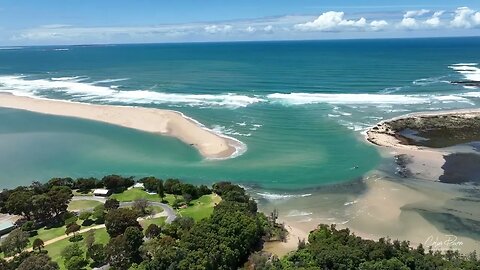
x: 300, y: 107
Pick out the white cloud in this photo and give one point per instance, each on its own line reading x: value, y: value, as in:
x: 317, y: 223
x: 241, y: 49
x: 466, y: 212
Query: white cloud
x: 331, y: 24
x: 411, y: 21
x: 379, y: 25
x: 408, y: 23
x: 476, y: 18
x: 250, y: 29
x: 333, y: 21
x: 215, y: 29
x: 465, y: 18
x: 435, y: 21
x: 268, y: 29
x: 415, y: 13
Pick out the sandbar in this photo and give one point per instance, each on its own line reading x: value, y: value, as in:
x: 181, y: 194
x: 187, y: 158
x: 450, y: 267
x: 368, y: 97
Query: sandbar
x: 164, y: 122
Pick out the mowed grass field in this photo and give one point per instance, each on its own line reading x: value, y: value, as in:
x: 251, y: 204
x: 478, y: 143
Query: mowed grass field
x: 201, y: 208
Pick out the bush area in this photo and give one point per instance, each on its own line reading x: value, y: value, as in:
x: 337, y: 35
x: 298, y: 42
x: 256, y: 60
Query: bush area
x: 329, y: 248
x: 222, y: 230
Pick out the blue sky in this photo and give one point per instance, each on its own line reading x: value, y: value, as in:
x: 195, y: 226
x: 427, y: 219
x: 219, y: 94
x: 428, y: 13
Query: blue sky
x: 119, y: 21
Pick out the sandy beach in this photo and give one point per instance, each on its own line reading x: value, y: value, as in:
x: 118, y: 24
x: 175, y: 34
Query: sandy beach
x: 165, y: 122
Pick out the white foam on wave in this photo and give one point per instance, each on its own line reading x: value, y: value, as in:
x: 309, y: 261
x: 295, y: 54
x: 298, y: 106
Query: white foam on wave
x: 72, y: 78
x: 350, y: 203
x: 298, y: 213
x: 469, y: 71
x: 61, y: 49
x: 465, y: 64
x: 368, y: 99
x: 111, y: 80
x: 429, y: 81
x: 274, y: 196
x: 20, y: 85
x: 240, y: 147
x: 228, y: 131
x: 390, y: 90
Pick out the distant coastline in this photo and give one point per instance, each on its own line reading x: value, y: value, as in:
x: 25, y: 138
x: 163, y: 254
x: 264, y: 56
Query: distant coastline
x: 211, y: 145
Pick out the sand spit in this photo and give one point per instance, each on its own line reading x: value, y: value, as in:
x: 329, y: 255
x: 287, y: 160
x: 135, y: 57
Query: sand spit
x: 165, y: 122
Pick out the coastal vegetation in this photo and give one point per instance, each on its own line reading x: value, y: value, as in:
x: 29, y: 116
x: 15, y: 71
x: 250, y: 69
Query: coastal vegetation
x: 436, y: 131
x: 215, y: 228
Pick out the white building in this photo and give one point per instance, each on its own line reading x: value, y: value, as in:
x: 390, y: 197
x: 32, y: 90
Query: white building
x: 101, y: 192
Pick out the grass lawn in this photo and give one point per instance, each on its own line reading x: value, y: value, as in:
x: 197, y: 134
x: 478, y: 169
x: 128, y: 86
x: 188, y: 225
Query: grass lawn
x: 138, y: 193
x: 47, y: 234
x: 156, y: 209
x: 146, y: 222
x: 82, y: 204
x: 201, y: 208
x: 55, y: 249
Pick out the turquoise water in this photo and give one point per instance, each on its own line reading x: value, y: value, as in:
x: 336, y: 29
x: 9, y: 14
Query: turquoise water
x: 300, y: 107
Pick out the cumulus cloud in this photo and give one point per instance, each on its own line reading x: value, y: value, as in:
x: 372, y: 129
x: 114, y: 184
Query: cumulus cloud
x: 465, y: 18
x: 379, y: 25
x: 330, y: 24
x: 335, y: 21
x: 435, y: 21
x: 415, y: 19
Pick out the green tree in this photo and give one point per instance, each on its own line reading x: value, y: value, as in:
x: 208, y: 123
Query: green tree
x: 19, y: 203
x: 37, y: 262
x: 173, y: 186
x: 118, y: 255
x: 118, y: 220
x: 111, y: 203
x: 72, y: 250
x: 15, y: 242
x: 85, y: 215
x: 99, y: 214
x: 96, y: 252
x: 89, y: 239
x: 76, y: 263
x: 85, y: 185
x: 38, y: 244
x: 133, y: 240
x: 161, y: 190
x: 150, y: 183
x: 41, y: 206
x: 72, y: 228
x: 60, y: 197
x: 153, y: 231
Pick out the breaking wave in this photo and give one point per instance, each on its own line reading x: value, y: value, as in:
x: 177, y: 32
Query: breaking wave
x: 274, y: 196
x: 19, y: 85
x: 102, y: 91
x: 372, y: 99
x: 469, y: 71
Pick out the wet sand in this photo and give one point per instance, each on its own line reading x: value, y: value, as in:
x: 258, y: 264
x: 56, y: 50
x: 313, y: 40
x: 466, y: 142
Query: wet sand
x: 386, y: 206
x: 165, y: 122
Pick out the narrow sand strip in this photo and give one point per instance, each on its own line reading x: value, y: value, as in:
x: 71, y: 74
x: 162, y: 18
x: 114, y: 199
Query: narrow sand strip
x: 164, y: 122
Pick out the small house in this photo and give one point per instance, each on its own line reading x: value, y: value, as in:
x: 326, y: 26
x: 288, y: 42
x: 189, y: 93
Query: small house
x: 101, y: 192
